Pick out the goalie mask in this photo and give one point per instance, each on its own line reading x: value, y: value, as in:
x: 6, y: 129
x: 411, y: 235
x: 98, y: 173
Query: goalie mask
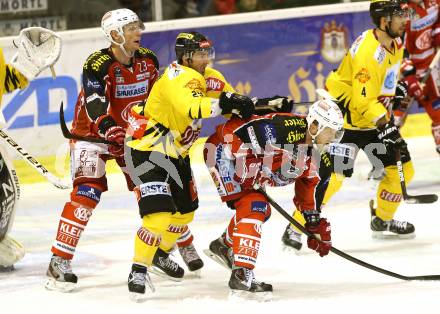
x: 188, y: 43
x: 119, y: 21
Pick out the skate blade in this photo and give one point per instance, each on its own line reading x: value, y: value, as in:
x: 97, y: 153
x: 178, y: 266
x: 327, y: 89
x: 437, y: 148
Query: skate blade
x: 196, y: 273
x: 289, y: 249
x: 385, y: 235
x: 216, y: 259
x: 240, y: 295
x: 137, y: 297
x: 160, y: 273
x: 54, y: 285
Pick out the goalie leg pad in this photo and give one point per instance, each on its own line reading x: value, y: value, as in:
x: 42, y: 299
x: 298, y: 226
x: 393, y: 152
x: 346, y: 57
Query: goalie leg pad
x: 11, y: 251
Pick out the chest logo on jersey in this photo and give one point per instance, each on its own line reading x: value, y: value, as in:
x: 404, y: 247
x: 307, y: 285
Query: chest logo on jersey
x: 131, y: 90
x: 363, y: 76
x: 214, y: 84
x: 194, y: 84
x: 423, y: 41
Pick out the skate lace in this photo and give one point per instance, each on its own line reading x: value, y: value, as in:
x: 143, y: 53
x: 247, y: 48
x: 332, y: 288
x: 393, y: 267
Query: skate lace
x: 63, y: 265
x: 399, y: 225
x: 168, y: 263
x: 249, y: 277
x: 138, y: 278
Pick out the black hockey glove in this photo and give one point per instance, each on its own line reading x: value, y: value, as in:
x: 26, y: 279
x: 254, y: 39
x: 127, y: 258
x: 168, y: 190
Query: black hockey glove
x: 389, y: 135
x: 400, y: 100
x: 238, y: 104
x: 273, y: 104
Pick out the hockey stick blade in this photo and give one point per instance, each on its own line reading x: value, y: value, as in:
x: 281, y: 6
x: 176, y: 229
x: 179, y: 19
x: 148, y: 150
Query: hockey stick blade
x: 70, y: 136
x: 411, y: 199
x: 31, y: 160
x: 340, y: 253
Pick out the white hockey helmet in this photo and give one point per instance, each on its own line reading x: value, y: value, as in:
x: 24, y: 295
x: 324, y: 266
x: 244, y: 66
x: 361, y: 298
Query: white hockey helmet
x: 328, y: 115
x: 115, y: 20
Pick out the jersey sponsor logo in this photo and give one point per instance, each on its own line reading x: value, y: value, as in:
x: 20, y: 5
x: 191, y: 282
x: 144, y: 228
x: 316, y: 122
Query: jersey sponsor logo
x: 131, y: 90
x: 363, y: 76
x: 380, y: 54
x: 253, y: 137
x: 89, y: 192
x: 295, y: 136
x: 93, y: 84
x: 214, y: 84
x: 334, y: 42
x: 424, y: 40
x: 426, y: 21
x: 155, y: 188
x: 142, y: 76
x: 95, y: 96
x: 269, y: 133
x: 390, y: 81
x: 342, y: 150
x: 357, y: 43
x: 195, y: 84
x: 82, y: 213
x: 259, y: 207
x: 96, y: 64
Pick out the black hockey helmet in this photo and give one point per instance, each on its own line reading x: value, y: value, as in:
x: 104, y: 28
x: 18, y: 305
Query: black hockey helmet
x: 187, y: 43
x: 387, y: 8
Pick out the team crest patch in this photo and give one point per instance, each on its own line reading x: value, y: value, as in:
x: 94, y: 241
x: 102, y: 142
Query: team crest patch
x: 363, y: 76
x: 334, y: 42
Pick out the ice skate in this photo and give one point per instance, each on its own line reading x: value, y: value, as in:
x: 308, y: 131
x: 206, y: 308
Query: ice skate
x: 220, y: 253
x: 391, y: 229
x: 165, y: 267
x: 61, y: 278
x: 191, y: 259
x: 137, y: 281
x: 291, y: 239
x: 244, y: 285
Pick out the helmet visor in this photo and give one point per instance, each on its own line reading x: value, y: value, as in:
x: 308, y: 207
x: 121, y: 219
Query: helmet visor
x: 133, y: 27
x: 207, y: 53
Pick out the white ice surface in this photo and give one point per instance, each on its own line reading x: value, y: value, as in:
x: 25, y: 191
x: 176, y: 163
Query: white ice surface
x: 302, y: 283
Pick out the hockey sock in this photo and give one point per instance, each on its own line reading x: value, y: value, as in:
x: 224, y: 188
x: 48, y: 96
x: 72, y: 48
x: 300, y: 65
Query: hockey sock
x: 389, y: 192
x: 297, y: 215
x: 149, y: 236
x: 333, y: 186
x: 247, y: 235
x: 436, y: 134
x: 186, y: 237
x: 175, y: 228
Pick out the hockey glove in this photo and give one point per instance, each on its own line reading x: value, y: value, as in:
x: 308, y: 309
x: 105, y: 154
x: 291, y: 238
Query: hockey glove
x: 116, y: 134
x: 241, y: 105
x: 248, y: 172
x: 414, y: 87
x: 400, y: 100
x: 389, y: 135
x: 273, y: 104
x: 321, y: 229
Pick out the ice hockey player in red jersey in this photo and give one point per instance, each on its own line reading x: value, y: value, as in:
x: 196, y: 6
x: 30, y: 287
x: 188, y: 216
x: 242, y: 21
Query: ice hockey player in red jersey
x: 270, y: 150
x: 422, y: 40
x: 114, y: 80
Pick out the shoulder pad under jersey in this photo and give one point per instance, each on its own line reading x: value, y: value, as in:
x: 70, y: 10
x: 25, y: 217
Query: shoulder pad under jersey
x: 143, y: 52
x: 98, y: 62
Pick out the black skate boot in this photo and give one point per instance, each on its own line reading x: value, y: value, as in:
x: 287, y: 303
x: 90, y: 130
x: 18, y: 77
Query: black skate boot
x: 244, y: 284
x: 165, y: 267
x: 61, y: 278
x: 390, y: 229
x: 137, y: 279
x: 291, y: 238
x: 220, y: 253
x: 191, y: 258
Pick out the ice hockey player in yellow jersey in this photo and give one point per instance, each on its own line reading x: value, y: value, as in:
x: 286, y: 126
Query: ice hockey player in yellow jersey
x: 365, y: 86
x: 157, y: 155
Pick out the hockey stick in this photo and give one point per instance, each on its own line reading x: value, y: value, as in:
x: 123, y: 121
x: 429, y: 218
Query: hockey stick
x: 340, y: 253
x: 34, y: 162
x: 412, y: 199
x: 70, y: 136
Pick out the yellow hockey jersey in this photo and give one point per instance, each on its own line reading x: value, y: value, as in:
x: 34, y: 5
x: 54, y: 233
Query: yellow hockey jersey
x: 178, y: 102
x: 366, y: 80
x: 10, y: 78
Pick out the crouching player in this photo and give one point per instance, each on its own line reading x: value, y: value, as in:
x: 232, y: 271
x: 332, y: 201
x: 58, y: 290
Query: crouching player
x: 275, y: 150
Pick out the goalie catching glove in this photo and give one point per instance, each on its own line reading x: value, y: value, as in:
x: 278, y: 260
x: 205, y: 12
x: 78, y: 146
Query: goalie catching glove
x: 321, y: 229
x: 38, y: 49
x: 238, y: 104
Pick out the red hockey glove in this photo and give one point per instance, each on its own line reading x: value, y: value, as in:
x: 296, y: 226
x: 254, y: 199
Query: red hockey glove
x: 320, y: 227
x: 414, y: 88
x: 115, y: 134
